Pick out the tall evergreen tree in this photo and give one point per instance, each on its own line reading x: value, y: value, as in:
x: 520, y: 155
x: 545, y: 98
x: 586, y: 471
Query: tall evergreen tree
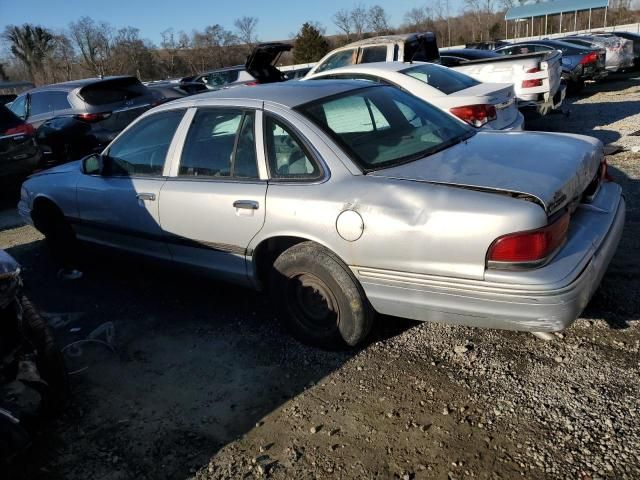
x: 310, y: 45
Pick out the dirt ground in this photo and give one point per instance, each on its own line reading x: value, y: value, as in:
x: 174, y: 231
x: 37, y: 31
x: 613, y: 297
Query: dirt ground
x: 205, y: 383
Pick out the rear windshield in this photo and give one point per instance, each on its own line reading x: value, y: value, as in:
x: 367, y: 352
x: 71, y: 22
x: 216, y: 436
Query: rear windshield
x: 444, y: 79
x: 8, y: 119
x: 382, y: 126
x: 113, y: 91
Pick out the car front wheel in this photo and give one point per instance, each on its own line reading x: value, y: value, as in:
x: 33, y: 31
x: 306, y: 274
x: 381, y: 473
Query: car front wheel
x: 320, y: 299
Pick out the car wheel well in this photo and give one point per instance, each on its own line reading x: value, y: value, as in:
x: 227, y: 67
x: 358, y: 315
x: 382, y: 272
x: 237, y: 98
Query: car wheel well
x: 266, y: 253
x: 44, y: 212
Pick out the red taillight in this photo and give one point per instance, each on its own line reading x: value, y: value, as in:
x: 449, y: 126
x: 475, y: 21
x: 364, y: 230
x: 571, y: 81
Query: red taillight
x: 22, y: 129
x: 529, y: 248
x: 476, y: 115
x: 251, y: 84
x: 92, y: 117
x: 532, y: 83
x: 591, y: 57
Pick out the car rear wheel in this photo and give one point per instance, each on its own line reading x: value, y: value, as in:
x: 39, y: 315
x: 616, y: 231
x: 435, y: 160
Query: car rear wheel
x: 319, y: 298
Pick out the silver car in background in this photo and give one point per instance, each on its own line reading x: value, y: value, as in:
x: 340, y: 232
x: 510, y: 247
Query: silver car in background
x: 408, y: 213
x: 619, y: 51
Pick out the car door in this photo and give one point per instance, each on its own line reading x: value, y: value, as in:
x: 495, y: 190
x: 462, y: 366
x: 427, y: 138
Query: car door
x: 213, y: 203
x: 119, y: 206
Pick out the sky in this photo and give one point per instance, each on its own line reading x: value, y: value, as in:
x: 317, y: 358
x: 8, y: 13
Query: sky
x: 277, y: 20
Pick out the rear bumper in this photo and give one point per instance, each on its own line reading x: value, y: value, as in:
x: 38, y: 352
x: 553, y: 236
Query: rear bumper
x: 543, y: 106
x: 490, y: 304
x: 516, y: 126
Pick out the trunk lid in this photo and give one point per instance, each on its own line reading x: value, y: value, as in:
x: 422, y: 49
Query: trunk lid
x: 552, y: 168
x: 261, y: 62
x: 500, y: 95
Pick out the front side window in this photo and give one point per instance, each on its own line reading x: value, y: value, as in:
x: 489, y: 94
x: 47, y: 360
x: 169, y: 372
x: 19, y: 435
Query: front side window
x: 19, y: 107
x: 220, y: 143
x: 374, y: 54
x: 443, y: 79
x: 337, y: 60
x: 287, y: 156
x: 142, y: 150
x: 402, y: 129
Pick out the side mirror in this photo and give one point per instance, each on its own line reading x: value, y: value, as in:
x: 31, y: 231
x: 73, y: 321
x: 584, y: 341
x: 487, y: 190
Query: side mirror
x: 93, y: 164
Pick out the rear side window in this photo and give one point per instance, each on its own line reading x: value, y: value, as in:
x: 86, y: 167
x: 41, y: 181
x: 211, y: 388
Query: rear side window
x: 374, y: 54
x: 142, y: 150
x: 337, y: 60
x: 220, y: 143
x: 288, y: 158
x: 46, y: 102
x: 443, y: 79
x: 113, y: 91
x: 59, y: 101
x: 39, y: 103
x: 8, y: 119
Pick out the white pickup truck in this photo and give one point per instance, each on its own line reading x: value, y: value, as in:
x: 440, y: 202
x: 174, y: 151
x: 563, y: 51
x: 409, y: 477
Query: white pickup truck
x: 535, y: 76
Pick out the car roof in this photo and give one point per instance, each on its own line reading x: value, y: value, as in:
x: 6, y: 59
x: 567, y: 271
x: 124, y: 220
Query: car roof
x: 73, y: 84
x: 372, y: 66
x: 548, y: 42
x: 223, y: 69
x: 471, y: 52
x: 407, y: 37
x: 288, y: 94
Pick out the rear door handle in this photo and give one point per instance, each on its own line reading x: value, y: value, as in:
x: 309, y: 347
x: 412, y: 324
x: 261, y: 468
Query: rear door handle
x: 246, y: 204
x: 146, y: 196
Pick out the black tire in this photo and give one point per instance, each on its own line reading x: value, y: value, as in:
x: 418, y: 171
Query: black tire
x: 60, y: 237
x: 319, y: 298
x: 574, y: 87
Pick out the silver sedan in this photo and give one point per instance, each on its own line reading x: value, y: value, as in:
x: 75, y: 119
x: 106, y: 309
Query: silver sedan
x: 346, y: 198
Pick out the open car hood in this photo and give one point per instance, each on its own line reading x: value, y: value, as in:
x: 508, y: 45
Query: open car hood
x: 553, y: 169
x: 260, y: 63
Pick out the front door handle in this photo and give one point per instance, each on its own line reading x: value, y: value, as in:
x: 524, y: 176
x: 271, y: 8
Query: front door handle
x: 246, y: 204
x: 146, y: 196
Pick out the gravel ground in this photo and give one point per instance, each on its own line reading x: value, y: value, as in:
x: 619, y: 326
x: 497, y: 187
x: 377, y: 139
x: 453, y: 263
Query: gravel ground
x: 205, y: 383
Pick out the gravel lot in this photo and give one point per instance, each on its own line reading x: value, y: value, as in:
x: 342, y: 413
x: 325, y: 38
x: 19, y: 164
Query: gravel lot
x: 205, y: 383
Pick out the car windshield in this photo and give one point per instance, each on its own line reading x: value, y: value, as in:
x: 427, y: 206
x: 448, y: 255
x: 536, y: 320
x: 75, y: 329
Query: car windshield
x: 381, y: 126
x: 443, y: 79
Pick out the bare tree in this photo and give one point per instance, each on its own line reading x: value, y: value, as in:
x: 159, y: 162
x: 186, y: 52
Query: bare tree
x: 417, y: 18
x: 246, y: 27
x: 359, y: 17
x: 342, y: 20
x: 94, y: 42
x: 62, y: 59
x: 31, y: 45
x: 378, y: 20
